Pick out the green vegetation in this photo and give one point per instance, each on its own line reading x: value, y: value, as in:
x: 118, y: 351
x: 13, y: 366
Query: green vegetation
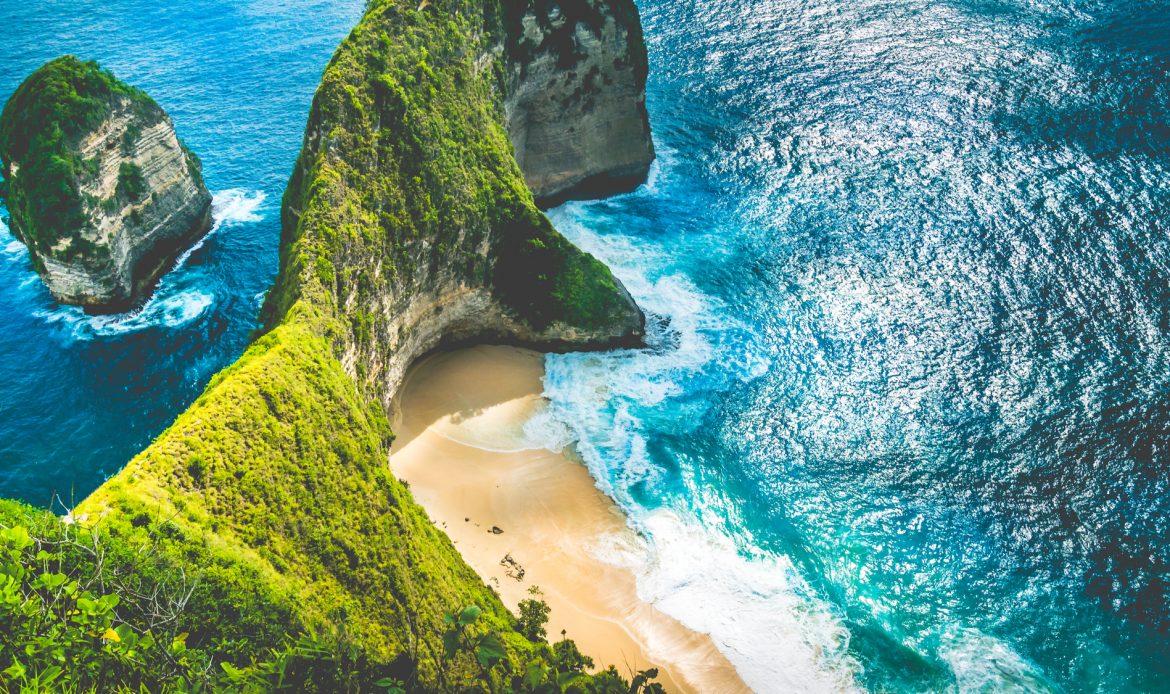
x: 87, y: 611
x: 40, y: 132
x: 265, y: 525
x: 407, y: 173
x: 534, y: 613
x: 131, y: 183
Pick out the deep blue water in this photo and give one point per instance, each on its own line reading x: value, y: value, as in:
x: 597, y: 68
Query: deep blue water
x: 80, y: 396
x: 905, y: 426
x: 917, y: 257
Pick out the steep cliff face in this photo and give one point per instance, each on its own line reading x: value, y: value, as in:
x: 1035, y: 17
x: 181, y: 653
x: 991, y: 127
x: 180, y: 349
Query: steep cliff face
x: 576, y: 101
x: 99, y: 187
x: 407, y: 215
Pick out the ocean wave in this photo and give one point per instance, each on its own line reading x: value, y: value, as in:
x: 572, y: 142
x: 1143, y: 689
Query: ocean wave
x: 752, y: 603
x: 982, y: 663
x: 172, y: 311
x: 229, y: 208
x: 180, y: 298
x: 237, y: 206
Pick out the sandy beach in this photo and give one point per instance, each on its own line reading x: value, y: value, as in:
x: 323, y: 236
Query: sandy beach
x: 463, y: 449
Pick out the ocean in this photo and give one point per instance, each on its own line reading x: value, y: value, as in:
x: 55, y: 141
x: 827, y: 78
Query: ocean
x: 903, y: 423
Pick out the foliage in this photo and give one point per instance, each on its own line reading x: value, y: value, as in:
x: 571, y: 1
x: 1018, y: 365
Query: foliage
x: 40, y: 131
x: 131, y: 182
x: 565, y: 669
x: 533, y: 617
x: 73, y: 620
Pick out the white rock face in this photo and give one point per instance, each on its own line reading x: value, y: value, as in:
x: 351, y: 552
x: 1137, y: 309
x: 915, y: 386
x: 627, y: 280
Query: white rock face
x: 135, y: 237
x: 576, y: 104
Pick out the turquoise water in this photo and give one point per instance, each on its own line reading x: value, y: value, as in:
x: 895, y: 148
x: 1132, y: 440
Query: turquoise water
x: 904, y: 423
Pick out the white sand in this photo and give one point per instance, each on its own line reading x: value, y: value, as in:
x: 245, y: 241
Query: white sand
x: 461, y: 448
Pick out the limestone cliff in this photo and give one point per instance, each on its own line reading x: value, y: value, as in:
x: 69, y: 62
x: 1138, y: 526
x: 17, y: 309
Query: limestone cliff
x: 407, y: 209
x: 576, y: 102
x: 99, y: 187
x: 407, y: 226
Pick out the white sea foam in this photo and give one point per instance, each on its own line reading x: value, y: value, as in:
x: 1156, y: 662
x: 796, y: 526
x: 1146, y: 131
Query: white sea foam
x: 237, y: 206
x: 982, y: 663
x: 229, y: 208
x: 171, y: 311
x: 175, y: 302
x: 753, y: 604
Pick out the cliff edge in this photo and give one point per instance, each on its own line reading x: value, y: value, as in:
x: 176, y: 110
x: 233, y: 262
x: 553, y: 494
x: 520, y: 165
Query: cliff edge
x: 98, y: 185
x: 576, y: 98
x: 407, y: 226
x: 408, y: 217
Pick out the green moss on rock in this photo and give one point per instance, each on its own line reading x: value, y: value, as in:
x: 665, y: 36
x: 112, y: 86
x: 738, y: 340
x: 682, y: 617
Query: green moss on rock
x: 40, y: 130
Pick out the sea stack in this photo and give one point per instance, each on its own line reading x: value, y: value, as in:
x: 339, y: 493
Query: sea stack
x: 576, y: 103
x: 98, y: 185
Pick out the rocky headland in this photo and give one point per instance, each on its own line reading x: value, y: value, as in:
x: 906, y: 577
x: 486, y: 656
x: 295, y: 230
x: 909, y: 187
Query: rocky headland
x: 98, y: 185
x: 408, y: 225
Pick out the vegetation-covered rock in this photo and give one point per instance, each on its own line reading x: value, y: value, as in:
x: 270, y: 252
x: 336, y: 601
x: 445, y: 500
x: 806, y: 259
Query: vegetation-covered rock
x: 407, y: 215
x: 98, y: 186
x: 407, y: 226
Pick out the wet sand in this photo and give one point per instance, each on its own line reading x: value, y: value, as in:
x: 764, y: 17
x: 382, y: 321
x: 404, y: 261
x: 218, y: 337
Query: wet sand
x: 463, y: 449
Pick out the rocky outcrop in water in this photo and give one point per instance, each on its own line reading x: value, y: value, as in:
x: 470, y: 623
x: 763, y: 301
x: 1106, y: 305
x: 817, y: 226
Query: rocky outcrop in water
x: 98, y: 185
x: 576, y: 103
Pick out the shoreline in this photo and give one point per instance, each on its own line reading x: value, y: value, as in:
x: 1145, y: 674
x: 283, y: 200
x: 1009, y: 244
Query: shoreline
x: 463, y: 449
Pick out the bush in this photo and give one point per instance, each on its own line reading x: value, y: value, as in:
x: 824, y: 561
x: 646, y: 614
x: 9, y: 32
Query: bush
x: 131, y: 182
x: 533, y: 616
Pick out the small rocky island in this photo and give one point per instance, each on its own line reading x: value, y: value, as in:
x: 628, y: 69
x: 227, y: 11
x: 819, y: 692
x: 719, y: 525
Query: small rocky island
x: 98, y: 185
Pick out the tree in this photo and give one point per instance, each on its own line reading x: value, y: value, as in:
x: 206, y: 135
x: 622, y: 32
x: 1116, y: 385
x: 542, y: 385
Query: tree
x: 533, y: 616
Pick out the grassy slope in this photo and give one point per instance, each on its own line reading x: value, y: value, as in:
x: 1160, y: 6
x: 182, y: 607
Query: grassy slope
x: 278, y: 475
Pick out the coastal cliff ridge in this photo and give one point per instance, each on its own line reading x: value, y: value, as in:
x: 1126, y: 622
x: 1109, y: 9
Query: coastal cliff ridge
x: 407, y: 226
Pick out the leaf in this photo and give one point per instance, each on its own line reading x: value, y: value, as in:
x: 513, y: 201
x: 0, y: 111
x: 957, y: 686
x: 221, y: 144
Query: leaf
x: 15, y: 671
x: 16, y: 538
x: 536, y: 673
x: 50, y: 581
x: 126, y: 634
x: 451, y: 642
x: 468, y: 616
x: 49, y: 674
x: 234, y: 674
x: 490, y: 650
x: 567, y: 679
x: 391, y: 685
